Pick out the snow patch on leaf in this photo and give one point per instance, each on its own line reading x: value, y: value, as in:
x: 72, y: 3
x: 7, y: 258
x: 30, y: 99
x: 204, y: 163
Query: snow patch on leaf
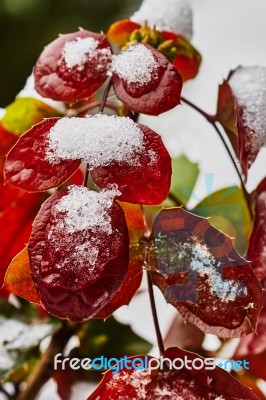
x: 97, y: 140
x: 249, y: 89
x: 166, y: 15
x: 86, y: 209
x: 204, y: 262
x: 78, y: 51
x: 136, y: 65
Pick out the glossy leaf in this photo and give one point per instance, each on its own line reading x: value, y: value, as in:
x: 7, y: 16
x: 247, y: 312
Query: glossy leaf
x: 18, y: 279
x: 201, y: 274
x: 241, y: 109
x: 17, y: 211
x: 228, y: 212
x: 256, y: 342
x: 158, y: 95
x: 133, y: 278
x: 226, y: 113
x: 26, y: 166
x: 25, y: 112
x: 257, y: 243
x: 76, y: 267
x: 187, y: 383
x: 148, y: 182
x: 80, y: 78
x: 7, y: 140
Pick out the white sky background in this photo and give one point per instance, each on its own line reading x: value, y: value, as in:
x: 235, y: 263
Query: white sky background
x: 228, y: 33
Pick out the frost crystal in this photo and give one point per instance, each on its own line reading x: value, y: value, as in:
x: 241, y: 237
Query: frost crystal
x: 78, y: 51
x: 97, y: 140
x: 136, y: 65
x: 86, y: 209
x: 249, y: 87
x: 166, y: 15
x: 204, y: 262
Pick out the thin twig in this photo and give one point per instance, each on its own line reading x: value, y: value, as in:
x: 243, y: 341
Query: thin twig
x: 150, y: 287
x: 154, y: 314
x: 213, y: 121
x: 45, y: 368
x: 3, y: 390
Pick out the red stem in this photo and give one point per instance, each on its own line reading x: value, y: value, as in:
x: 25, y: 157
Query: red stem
x: 213, y: 121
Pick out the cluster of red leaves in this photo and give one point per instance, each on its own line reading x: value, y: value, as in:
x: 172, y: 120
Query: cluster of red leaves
x: 194, y: 265
x: 57, y: 81
x: 186, y: 383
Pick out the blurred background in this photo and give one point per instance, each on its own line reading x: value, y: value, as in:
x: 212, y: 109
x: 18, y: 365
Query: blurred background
x: 26, y: 26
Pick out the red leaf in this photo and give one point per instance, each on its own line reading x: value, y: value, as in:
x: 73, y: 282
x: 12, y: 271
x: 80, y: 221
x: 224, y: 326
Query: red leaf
x: 186, y: 383
x: 226, y: 113
x: 120, y: 31
x: 18, y: 279
x: 257, y: 242
x: 256, y: 342
x: 7, y: 140
x: 133, y: 277
x: 17, y: 211
x: 26, y: 166
x: 78, y: 252
x: 149, y: 181
x: 247, y: 96
x: 186, y: 60
x: 70, y: 69
x: 202, y: 275
x: 152, y: 87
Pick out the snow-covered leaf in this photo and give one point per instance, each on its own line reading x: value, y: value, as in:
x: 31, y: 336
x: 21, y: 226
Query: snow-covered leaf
x: 187, y: 383
x: 73, y: 66
x: 201, y: 274
x: 78, y: 251
x: 145, y: 80
x: 27, y: 166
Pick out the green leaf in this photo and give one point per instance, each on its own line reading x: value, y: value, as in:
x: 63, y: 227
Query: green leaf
x: 25, y: 112
x: 184, y: 176
x: 228, y: 212
x: 110, y: 339
x: 19, y: 340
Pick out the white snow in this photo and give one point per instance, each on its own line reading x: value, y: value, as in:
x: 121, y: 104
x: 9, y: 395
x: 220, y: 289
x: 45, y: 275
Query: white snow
x: 136, y: 65
x: 86, y: 209
x: 198, y: 257
x: 80, y: 50
x: 166, y: 15
x: 2, y: 112
x: 204, y: 262
x: 97, y: 140
x: 16, y: 335
x: 249, y: 88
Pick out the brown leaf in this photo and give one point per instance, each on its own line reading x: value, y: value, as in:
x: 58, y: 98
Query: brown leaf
x: 201, y: 274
